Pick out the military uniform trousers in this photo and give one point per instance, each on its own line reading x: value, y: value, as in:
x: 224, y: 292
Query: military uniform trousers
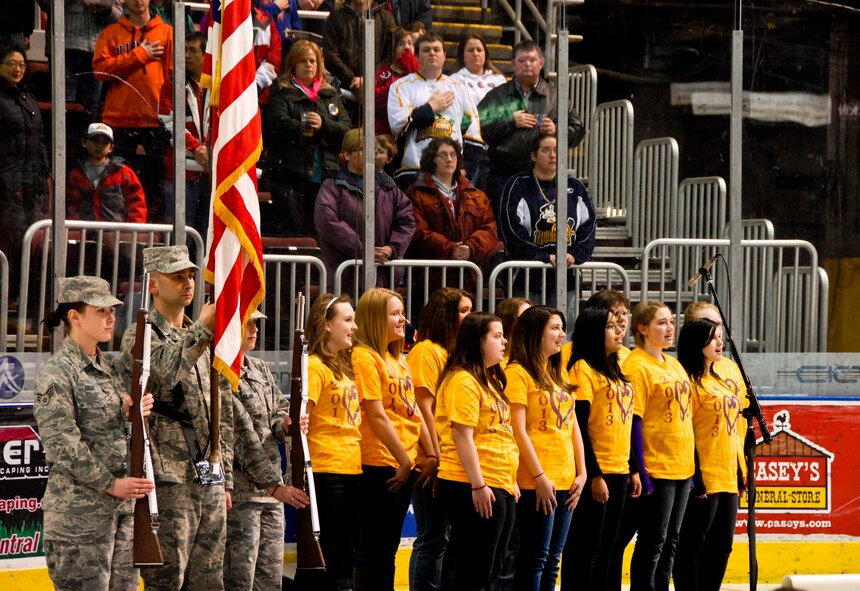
x: 90, y: 552
x: 254, y: 558
x: 192, y: 534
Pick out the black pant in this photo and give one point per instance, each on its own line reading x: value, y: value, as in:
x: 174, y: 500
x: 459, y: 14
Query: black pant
x: 338, y: 502
x: 476, y: 545
x: 626, y: 530
x: 706, y: 542
x: 591, y: 541
x: 149, y: 167
x: 380, y: 524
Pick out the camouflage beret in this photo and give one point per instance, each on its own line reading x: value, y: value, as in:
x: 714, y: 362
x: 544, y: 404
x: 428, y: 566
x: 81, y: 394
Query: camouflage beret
x: 89, y: 290
x: 167, y: 259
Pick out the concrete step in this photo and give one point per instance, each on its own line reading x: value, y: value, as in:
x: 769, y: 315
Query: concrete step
x: 456, y: 31
x: 461, y: 14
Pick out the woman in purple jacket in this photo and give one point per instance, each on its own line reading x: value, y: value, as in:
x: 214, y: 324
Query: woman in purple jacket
x: 339, y: 216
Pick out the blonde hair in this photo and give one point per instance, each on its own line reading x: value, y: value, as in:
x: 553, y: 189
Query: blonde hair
x: 644, y: 313
x: 693, y: 310
x: 322, y: 311
x: 297, y: 52
x: 371, y: 316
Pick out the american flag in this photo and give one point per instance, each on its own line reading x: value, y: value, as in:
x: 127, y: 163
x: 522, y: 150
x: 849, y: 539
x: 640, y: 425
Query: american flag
x: 234, y: 259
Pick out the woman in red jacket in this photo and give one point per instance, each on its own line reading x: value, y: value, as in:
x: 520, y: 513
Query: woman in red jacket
x: 453, y: 219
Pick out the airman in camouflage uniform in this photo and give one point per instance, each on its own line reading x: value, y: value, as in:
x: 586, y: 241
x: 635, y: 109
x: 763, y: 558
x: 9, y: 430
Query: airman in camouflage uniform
x: 255, y: 525
x: 193, y: 517
x: 88, y: 512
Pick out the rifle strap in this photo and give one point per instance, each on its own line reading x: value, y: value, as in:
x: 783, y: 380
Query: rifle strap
x: 178, y: 411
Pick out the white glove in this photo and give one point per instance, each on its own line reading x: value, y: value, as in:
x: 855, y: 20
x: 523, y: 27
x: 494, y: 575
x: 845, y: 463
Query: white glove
x: 266, y: 74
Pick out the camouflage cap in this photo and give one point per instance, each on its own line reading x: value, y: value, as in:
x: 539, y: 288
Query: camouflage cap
x: 167, y: 259
x: 89, y: 290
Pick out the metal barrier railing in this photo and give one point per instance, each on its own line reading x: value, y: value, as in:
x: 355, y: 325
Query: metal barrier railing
x: 583, y: 96
x: 776, y: 300
x: 426, y: 282
x: 701, y: 214
x: 4, y: 300
x: 754, y: 229
x: 610, y: 155
x: 111, y: 250
x: 654, y: 197
x: 589, y: 277
x: 281, y: 288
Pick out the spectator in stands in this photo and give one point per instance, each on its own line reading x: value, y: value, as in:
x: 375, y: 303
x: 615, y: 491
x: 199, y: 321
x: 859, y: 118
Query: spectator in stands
x: 24, y: 166
x: 85, y: 20
x: 284, y: 14
x: 416, y: 29
x: 404, y: 62
x: 104, y: 187
x: 513, y: 114
x: 164, y: 9
x: 134, y: 56
x: 16, y: 22
x: 427, y: 105
x: 197, y: 129
x: 315, y: 25
x: 305, y: 125
x: 479, y: 76
x: 408, y: 11
x: 267, y: 51
x: 343, y: 46
x: 527, y: 218
x: 339, y: 215
x: 453, y: 219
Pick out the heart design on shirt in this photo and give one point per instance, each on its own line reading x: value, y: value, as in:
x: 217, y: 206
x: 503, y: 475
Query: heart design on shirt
x: 682, y: 397
x: 624, y: 397
x: 731, y: 411
x: 556, y: 399
x: 349, y: 400
x: 404, y: 386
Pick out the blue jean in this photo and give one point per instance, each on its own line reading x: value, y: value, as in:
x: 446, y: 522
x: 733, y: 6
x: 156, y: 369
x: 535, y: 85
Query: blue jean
x: 659, y: 528
x: 426, y: 565
x: 542, y: 538
x: 591, y: 542
x: 706, y: 542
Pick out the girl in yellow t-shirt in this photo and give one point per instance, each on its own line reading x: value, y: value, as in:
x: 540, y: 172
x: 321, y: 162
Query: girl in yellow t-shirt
x: 391, y: 427
x: 662, y: 414
x: 709, y: 523
x: 333, y: 433
x: 437, y: 333
x: 478, y: 466
x: 552, y: 463
x: 604, y: 410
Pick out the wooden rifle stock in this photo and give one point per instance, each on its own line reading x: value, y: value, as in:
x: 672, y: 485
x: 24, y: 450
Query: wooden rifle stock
x: 146, y: 548
x: 309, y: 553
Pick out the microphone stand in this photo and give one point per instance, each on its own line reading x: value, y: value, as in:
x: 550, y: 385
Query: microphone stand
x: 752, y: 411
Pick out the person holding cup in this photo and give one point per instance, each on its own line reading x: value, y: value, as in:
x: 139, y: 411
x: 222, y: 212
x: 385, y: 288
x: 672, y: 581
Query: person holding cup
x: 304, y: 126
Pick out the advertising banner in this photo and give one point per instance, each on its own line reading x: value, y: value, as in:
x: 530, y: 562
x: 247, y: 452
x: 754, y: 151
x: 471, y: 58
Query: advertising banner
x: 23, y: 476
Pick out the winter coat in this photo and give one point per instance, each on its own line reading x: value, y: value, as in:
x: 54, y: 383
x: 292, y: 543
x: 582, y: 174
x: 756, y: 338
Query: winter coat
x: 24, y: 166
x: 509, y: 145
x: 342, y: 44
x: 291, y: 152
x: 118, y: 52
x: 118, y: 198
x: 339, y: 220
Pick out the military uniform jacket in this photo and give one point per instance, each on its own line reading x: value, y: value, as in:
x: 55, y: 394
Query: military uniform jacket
x: 78, y: 410
x: 259, y: 411
x: 180, y: 356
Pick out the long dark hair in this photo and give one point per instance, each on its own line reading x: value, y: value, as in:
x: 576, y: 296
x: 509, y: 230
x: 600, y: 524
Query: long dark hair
x: 468, y: 354
x: 589, y: 343
x: 694, y: 336
x: 526, y: 343
x: 440, y: 318
x: 508, y: 310
x: 428, y: 156
x: 61, y: 315
x: 461, y: 52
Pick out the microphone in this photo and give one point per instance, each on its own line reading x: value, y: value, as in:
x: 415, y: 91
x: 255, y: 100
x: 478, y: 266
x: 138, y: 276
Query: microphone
x: 702, y: 270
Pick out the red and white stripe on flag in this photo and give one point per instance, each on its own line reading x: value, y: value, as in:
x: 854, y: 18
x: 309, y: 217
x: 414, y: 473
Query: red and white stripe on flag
x: 234, y: 258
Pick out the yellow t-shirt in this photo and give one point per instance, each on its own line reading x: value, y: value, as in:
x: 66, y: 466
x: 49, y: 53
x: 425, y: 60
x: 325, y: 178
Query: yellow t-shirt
x: 549, y: 426
x: 333, y: 432
x: 716, y: 418
x: 730, y: 373
x: 662, y: 395
x: 426, y: 360
x: 386, y: 379
x: 461, y: 399
x: 567, y: 351
x: 610, y: 420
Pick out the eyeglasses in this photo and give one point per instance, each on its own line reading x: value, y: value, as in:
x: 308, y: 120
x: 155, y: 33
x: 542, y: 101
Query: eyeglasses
x: 15, y: 65
x: 446, y: 155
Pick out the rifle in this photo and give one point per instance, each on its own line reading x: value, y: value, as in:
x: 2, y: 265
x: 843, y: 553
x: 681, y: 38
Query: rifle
x: 309, y: 553
x: 146, y: 547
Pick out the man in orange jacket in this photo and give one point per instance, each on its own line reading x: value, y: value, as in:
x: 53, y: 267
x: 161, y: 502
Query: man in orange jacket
x: 134, y: 56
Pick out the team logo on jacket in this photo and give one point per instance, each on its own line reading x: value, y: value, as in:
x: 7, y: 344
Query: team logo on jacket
x: 333, y: 110
x: 546, y: 227
x: 441, y: 127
